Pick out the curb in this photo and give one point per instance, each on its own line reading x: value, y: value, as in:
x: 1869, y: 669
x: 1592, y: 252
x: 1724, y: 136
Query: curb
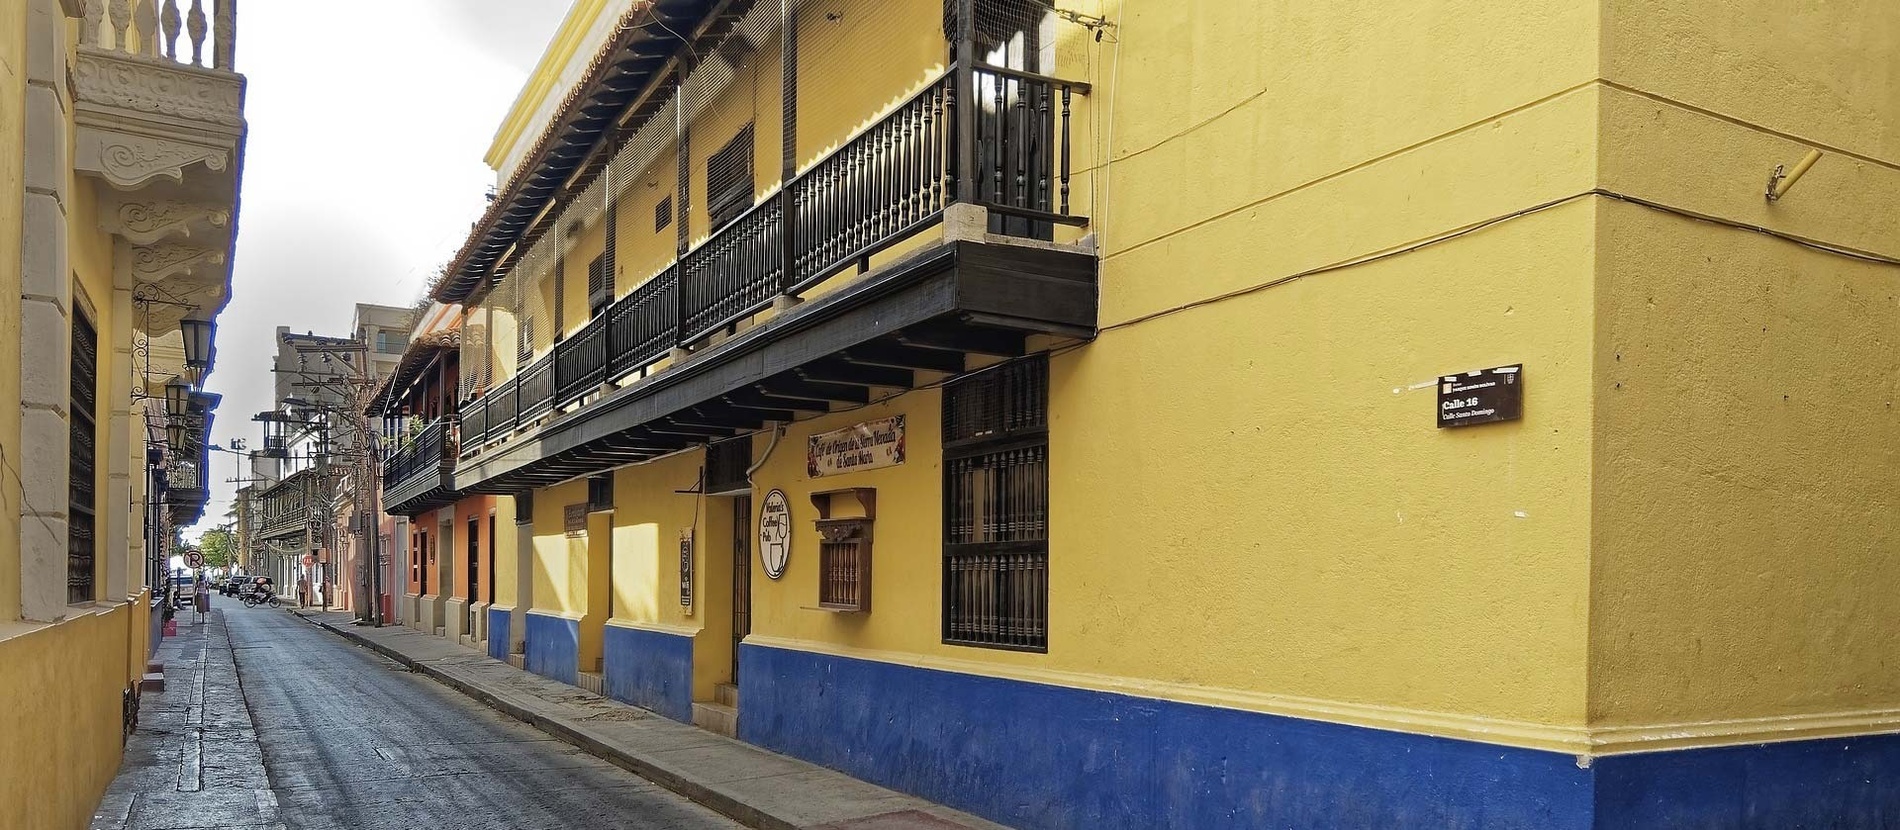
x: 694, y: 791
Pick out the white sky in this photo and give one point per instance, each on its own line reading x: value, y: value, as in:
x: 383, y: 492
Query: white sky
x: 362, y: 172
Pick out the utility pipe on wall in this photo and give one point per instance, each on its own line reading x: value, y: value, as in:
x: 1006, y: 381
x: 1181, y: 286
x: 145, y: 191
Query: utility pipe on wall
x: 1781, y: 180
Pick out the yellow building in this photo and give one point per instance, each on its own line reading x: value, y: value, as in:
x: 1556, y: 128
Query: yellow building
x: 120, y: 141
x: 1211, y: 414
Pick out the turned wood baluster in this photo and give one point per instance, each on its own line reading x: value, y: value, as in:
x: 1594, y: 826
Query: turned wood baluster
x: 172, y: 23
x: 224, y: 34
x: 145, y: 21
x: 195, y: 25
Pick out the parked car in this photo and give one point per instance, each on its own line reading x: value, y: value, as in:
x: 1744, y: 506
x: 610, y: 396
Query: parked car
x: 183, y: 588
x: 233, y: 585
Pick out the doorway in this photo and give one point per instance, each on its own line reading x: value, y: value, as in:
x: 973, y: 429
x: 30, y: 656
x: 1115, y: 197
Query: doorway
x: 474, y: 571
x: 741, y: 577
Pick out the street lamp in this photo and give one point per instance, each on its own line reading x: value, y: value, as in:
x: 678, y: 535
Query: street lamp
x: 178, y: 398
x: 197, y: 335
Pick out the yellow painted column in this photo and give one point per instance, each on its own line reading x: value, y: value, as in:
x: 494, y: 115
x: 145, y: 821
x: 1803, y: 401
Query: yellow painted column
x: 12, y: 190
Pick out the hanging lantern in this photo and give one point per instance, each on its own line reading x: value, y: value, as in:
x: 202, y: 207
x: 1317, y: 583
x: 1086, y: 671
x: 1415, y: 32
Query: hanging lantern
x: 197, y: 335
x: 177, y: 398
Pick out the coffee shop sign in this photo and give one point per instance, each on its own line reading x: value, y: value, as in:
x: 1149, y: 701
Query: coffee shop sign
x: 865, y: 446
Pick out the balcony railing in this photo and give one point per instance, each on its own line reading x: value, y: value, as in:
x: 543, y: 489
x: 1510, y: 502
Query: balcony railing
x: 291, y: 520
x: 888, y: 183
x: 428, y: 453
x: 580, y: 362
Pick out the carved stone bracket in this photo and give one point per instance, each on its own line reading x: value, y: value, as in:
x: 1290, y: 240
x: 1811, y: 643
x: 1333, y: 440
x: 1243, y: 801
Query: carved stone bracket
x: 151, y: 263
x: 150, y: 222
x: 129, y: 162
x: 111, y: 80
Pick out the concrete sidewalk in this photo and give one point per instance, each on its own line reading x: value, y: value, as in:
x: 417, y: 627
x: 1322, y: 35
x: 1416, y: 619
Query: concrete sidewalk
x: 755, y: 787
x: 194, y: 761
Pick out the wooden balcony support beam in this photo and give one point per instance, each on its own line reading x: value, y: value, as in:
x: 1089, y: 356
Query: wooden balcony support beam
x: 898, y: 356
x: 839, y: 371
x: 967, y: 340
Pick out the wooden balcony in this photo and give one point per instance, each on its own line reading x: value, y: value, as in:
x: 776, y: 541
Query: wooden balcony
x: 420, y: 476
x: 284, y: 510
x: 978, y: 291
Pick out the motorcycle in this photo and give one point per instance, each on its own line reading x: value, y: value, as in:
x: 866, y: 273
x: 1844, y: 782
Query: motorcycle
x: 253, y: 600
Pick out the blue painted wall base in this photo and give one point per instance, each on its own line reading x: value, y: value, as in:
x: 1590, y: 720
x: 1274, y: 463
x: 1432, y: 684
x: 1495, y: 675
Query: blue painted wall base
x: 649, y: 669
x: 499, y: 624
x: 554, y: 647
x: 1049, y: 758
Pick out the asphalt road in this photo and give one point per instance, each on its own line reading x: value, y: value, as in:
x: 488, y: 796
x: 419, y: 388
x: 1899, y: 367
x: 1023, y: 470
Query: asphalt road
x: 351, y: 740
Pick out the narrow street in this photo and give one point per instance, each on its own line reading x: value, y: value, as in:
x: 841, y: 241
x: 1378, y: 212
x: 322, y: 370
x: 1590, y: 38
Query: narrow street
x: 287, y: 725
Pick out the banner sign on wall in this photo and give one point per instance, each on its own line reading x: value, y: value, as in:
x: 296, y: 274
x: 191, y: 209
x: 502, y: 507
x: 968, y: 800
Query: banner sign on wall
x: 866, y: 446
x: 686, y: 571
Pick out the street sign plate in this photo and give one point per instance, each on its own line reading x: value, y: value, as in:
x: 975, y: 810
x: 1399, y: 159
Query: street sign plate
x: 1481, y: 397
x: 194, y: 560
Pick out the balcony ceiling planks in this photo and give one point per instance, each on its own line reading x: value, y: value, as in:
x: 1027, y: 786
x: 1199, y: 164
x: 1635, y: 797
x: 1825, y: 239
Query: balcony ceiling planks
x: 633, y: 61
x: 930, y: 313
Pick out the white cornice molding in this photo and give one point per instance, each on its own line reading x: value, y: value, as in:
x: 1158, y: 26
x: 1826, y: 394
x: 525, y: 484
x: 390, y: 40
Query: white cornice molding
x: 136, y: 84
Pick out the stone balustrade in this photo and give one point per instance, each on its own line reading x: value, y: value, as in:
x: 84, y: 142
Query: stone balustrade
x: 151, y: 28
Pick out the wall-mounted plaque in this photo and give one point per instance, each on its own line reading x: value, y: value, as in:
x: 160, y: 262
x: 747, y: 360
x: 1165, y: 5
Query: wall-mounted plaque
x: 686, y: 570
x: 775, y: 533
x: 574, y: 518
x: 1481, y: 397
x: 866, y: 446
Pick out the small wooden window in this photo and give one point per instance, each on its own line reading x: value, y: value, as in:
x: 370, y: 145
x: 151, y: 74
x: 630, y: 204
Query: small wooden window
x: 600, y: 285
x: 663, y: 214
x: 726, y: 464
x: 729, y: 179
x: 524, y: 508
x: 600, y: 493
x: 844, y: 548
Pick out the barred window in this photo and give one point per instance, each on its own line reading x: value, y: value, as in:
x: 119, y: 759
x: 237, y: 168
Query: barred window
x: 996, y: 508
x: 82, y: 499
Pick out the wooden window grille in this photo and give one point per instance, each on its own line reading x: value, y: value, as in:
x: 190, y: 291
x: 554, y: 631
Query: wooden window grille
x: 726, y: 464
x: 663, y: 214
x: 82, y: 496
x: 844, y: 548
x: 729, y: 179
x: 600, y: 292
x: 559, y: 312
x: 600, y: 272
x: 600, y: 493
x: 996, y: 508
